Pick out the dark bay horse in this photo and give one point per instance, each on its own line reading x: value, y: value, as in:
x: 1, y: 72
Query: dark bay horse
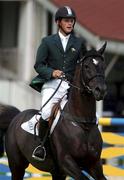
x: 7, y: 113
x: 76, y: 143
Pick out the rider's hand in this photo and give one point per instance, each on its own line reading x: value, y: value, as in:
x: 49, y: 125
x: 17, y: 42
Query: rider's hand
x: 57, y: 73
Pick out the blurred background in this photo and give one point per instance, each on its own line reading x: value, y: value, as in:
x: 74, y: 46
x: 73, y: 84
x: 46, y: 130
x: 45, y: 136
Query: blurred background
x: 23, y: 24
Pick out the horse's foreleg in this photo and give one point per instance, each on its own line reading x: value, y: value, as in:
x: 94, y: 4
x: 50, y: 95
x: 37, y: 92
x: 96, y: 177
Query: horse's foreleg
x: 58, y: 176
x: 97, y: 171
x: 72, y: 169
x: 17, y: 174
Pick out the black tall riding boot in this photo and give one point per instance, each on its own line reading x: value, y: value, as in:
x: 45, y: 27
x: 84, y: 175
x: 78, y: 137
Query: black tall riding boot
x: 39, y: 152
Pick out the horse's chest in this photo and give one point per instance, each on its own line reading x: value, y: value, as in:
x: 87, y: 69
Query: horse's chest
x: 91, y: 141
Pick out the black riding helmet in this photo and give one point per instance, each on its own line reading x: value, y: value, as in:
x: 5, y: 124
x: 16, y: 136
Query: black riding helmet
x: 65, y: 12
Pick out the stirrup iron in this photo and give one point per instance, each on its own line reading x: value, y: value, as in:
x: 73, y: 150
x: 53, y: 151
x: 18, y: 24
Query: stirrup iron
x: 37, y: 158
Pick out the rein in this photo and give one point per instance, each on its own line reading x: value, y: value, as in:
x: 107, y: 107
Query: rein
x: 82, y: 82
x: 62, y: 78
x: 52, y: 94
x: 72, y: 85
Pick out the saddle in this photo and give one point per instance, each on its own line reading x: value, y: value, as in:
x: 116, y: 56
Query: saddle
x: 32, y: 125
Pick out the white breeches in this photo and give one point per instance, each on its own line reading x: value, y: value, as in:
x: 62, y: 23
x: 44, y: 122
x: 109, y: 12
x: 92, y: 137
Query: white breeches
x: 47, y: 90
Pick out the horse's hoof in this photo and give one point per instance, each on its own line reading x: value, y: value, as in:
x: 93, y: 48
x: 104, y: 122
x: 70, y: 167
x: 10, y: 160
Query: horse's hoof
x: 39, y: 153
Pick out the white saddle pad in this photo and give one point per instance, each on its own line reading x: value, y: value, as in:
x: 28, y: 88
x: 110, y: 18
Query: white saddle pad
x: 29, y: 126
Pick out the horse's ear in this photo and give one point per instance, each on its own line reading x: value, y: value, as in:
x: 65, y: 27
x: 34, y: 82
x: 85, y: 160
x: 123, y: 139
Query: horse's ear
x: 102, y: 49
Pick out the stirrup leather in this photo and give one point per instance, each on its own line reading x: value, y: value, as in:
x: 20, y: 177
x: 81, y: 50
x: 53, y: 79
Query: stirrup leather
x: 38, y: 158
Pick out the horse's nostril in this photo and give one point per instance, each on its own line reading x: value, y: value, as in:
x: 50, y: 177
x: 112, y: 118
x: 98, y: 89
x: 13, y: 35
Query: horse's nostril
x: 101, y: 89
x: 97, y: 89
x: 97, y: 92
x: 100, y: 92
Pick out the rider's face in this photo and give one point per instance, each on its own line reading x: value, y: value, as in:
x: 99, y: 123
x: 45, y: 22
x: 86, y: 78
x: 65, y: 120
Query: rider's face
x: 66, y: 25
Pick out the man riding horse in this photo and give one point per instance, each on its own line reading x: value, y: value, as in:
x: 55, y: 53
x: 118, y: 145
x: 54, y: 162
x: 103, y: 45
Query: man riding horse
x: 75, y: 144
x: 56, y: 55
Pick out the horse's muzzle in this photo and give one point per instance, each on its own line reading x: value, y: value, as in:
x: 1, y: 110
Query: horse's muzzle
x: 100, y: 91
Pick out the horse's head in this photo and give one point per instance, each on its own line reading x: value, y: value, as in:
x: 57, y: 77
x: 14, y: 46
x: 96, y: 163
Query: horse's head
x: 93, y: 72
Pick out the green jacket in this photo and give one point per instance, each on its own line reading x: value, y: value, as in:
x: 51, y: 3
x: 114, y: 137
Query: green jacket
x: 51, y: 56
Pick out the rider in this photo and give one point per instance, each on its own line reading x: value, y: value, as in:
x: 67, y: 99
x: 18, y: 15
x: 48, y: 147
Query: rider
x: 56, y: 55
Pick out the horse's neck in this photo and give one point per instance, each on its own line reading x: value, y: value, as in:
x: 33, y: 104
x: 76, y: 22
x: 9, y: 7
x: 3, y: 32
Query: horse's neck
x: 80, y: 102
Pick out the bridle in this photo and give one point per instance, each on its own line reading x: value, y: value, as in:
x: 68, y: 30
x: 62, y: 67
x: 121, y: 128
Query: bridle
x: 85, y: 84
